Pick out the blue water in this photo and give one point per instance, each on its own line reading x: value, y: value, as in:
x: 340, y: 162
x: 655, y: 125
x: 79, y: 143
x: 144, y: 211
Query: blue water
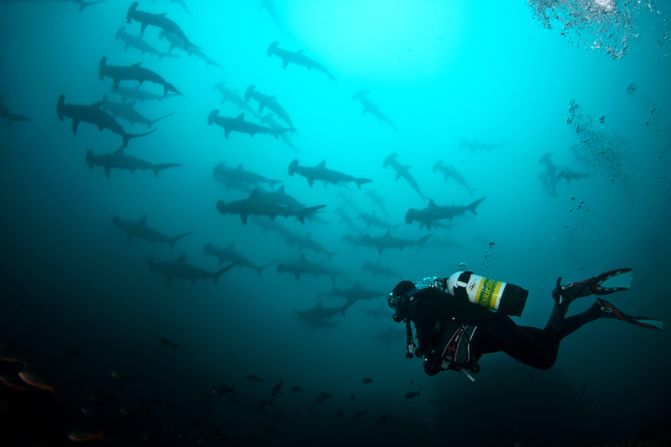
x: 442, y: 72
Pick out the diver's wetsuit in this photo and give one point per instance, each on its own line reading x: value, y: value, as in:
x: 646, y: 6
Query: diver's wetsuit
x: 435, y: 312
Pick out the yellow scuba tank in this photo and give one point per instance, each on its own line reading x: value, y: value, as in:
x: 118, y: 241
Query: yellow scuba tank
x: 496, y: 295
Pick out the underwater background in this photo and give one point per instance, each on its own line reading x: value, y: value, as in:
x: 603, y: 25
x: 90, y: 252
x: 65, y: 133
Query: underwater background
x: 556, y: 112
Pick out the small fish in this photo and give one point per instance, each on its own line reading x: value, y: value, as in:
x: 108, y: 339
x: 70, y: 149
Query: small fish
x: 11, y: 384
x: 411, y: 394
x: 262, y: 404
x: 168, y: 343
x: 276, y: 389
x: 322, y: 397
x: 35, y: 381
x: 122, y: 377
x: 254, y: 378
x: 82, y: 436
x: 359, y: 413
x: 223, y: 389
x: 367, y: 380
x: 383, y: 419
x: 296, y: 389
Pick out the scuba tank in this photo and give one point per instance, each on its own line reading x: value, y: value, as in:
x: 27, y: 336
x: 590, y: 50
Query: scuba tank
x: 496, y: 295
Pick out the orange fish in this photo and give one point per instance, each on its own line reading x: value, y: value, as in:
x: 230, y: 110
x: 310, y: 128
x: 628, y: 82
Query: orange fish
x: 81, y: 436
x: 35, y: 381
x: 11, y: 384
x: 9, y: 359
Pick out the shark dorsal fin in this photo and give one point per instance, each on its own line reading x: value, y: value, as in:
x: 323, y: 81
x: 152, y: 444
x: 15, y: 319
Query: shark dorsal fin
x: 136, y: 64
x: 281, y: 189
x: 182, y: 258
x: 143, y: 219
x: 322, y: 164
x: 432, y: 204
x: 241, y: 117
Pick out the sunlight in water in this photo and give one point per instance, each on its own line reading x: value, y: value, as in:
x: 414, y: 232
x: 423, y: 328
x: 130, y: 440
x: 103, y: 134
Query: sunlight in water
x: 397, y: 38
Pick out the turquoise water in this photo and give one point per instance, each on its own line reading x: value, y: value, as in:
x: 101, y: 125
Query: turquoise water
x: 444, y: 74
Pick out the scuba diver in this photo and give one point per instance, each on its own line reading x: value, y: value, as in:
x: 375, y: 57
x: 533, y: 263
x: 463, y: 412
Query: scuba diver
x: 460, y: 318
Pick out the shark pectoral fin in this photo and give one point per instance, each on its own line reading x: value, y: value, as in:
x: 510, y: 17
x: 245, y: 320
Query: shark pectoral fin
x: 243, y: 218
x: 285, y: 62
x: 311, y: 182
x: 227, y: 132
x: 143, y: 27
x: 75, y: 125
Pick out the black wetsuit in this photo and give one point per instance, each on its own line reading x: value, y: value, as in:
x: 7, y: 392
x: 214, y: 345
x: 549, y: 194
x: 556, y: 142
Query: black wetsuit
x: 437, y: 314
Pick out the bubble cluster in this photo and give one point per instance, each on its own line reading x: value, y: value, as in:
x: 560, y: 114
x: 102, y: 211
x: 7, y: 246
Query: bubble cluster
x: 604, y: 25
x: 601, y: 151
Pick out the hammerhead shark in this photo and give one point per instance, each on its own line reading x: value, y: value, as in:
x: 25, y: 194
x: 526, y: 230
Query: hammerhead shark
x: 10, y: 116
x: 433, y: 212
x: 296, y: 58
x: 324, y: 174
x: 139, y: 229
x: 93, y: 114
x: 402, y: 171
x: 133, y: 72
x: 119, y: 160
x: 126, y: 111
x: 239, y: 124
x: 372, y: 108
x: 179, y: 268
x: 132, y: 41
x: 158, y: 20
x: 269, y: 102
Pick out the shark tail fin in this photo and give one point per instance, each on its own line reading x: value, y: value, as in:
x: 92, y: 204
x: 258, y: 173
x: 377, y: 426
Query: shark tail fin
x: 178, y: 237
x: 152, y: 122
x: 221, y: 272
x: 303, y: 213
x: 89, y: 158
x: 472, y: 207
x: 128, y: 136
x: 59, y: 107
x: 102, y: 65
x: 260, y: 268
x: 292, y: 167
x: 410, y: 216
x: 168, y: 87
x: 157, y: 168
x: 212, y: 116
x: 346, y: 306
x: 271, y: 48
